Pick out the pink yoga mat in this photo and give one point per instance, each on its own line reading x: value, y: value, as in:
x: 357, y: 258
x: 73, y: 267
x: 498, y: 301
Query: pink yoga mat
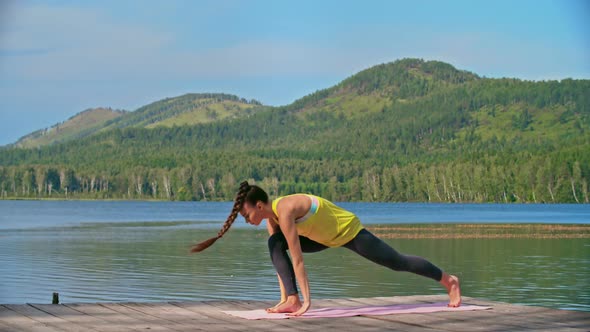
x: 368, y: 310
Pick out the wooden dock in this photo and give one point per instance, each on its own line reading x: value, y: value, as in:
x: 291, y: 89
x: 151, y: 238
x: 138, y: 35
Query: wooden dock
x: 207, y: 316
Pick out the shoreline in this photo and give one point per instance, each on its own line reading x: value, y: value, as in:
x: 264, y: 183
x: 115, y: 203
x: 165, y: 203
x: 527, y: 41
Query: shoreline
x: 62, y: 199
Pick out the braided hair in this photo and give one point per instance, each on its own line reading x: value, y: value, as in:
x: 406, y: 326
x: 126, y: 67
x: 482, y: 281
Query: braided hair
x: 246, y: 193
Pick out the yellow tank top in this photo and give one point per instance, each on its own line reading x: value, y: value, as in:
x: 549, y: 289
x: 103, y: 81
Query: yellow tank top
x: 326, y: 223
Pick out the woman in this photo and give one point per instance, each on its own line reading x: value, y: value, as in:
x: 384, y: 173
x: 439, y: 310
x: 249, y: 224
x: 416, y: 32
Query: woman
x: 307, y: 223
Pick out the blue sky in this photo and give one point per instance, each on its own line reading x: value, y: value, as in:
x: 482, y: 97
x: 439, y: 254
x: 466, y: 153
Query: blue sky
x: 58, y: 58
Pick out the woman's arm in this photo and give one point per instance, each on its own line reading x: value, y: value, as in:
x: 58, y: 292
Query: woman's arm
x: 287, y: 215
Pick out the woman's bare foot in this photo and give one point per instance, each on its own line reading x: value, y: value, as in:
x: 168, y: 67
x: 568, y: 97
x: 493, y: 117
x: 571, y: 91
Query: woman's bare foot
x: 451, y: 283
x: 292, y: 304
x: 272, y: 309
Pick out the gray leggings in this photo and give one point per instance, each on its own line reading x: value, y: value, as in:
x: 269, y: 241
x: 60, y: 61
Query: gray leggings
x: 365, y: 244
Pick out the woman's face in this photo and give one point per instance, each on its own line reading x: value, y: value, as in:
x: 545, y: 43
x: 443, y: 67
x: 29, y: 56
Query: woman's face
x: 252, y: 213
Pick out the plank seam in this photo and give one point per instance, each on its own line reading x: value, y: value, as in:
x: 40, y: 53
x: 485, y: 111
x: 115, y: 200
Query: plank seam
x: 67, y: 320
x: 175, y: 328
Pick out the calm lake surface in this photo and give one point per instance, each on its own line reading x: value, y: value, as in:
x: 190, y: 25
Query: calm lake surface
x: 94, y: 251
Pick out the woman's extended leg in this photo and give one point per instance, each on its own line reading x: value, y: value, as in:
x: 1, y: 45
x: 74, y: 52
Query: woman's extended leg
x: 277, y: 246
x: 371, y: 247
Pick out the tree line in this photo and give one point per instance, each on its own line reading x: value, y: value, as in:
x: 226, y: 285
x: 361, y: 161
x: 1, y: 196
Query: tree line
x: 539, y: 180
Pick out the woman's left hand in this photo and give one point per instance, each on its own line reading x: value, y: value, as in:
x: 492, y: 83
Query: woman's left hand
x: 302, y: 310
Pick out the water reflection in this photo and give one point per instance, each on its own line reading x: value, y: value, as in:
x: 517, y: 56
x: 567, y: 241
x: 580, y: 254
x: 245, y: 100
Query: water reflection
x: 150, y: 262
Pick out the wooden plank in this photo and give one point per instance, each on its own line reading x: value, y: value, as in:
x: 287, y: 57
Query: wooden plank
x: 209, y: 309
x: 205, y: 308
x: 45, y: 318
x: 114, y: 317
x: 239, y: 323
x: 77, y: 317
x: 502, y: 317
x: 207, y: 316
x: 376, y: 321
x: 251, y: 305
x: 6, y: 328
x: 171, y: 310
x: 155, y: 323
x: 187, y: 319
x: 201, y: 320
x: 184, y: 324
x: 280, y: 325
x: 16, y: 321
x: 441, y: 320
x: 539, y: 317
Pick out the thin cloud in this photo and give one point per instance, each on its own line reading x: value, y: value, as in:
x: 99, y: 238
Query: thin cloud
x: 60, y: 43
x: 68, y: 43
x: 49, y: 43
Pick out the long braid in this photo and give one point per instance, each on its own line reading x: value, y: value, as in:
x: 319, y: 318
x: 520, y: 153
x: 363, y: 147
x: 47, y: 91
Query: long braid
x: 238, y: 204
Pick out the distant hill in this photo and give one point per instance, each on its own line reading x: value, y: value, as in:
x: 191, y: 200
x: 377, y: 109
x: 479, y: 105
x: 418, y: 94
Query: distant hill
x: 188, y: 109
x: 80, y: 125
x: 371, y: 89
x: 409, y: 130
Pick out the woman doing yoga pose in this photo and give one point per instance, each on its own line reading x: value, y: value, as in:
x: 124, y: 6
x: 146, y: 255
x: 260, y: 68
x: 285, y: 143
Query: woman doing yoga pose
x: 307, y: 223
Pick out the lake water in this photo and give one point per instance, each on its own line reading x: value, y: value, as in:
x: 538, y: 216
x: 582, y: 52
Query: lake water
x: 95, y: 251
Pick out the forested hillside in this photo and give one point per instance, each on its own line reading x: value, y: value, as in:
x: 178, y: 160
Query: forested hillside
x: 188, y: 109
x: 80, y: 125
x: 404, y: 131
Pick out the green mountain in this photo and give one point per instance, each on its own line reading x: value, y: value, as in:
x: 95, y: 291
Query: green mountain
x: 372, y: 89
x: 188, y: 109
x: 80, y: 125
x: 410, y: 130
